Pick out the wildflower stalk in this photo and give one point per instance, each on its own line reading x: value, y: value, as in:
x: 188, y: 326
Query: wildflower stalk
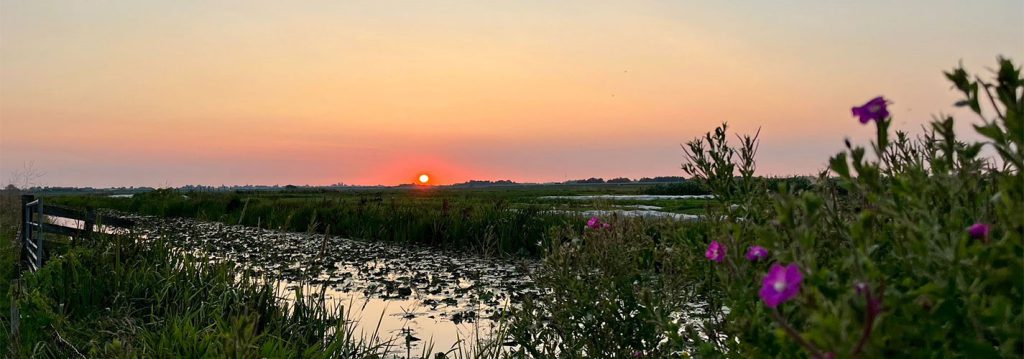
x: 794, y: 334
x: 873, y: 309
x: 735, y: 270
x: 869, y: 323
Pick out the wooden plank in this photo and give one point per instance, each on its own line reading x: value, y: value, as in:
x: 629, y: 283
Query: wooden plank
x: 55, y: 229
x: 85, y: 217
x: 66, y: 231
x: 64, y: 212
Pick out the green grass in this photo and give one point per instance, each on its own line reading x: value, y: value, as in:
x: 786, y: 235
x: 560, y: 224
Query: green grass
x: 120, y: 297
x: 508, y: 221
x: 9, y: 214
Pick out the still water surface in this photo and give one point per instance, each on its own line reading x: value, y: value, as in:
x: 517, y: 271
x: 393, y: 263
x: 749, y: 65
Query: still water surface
x: 437, y: 297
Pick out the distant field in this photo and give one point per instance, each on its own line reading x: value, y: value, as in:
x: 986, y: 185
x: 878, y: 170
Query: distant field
x: 500, y: 220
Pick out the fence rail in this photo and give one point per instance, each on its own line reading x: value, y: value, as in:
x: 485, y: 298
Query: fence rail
x: 34, y: 227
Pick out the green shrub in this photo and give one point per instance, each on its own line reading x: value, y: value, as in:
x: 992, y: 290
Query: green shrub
x: 891, y: 264
x: 891, y: 251
x: 612, y: 291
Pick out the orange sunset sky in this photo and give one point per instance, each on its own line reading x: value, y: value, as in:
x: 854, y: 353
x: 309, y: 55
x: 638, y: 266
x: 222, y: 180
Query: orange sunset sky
x: 121, y: 93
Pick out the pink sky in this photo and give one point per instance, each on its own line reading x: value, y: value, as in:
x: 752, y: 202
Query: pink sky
x: 121, y: 93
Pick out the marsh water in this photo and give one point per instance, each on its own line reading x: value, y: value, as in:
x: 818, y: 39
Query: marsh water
x: 418, y: 296
x: 415, y: 296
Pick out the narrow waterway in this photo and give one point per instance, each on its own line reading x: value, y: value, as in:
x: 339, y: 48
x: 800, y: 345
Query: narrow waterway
x: 421, y: 297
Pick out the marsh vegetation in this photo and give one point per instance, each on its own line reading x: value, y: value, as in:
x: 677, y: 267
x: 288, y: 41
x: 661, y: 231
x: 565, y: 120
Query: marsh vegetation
x: 908, y: 247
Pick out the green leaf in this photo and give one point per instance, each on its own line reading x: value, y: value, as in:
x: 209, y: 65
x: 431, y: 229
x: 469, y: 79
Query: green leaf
x: 991, y: 131
x: 839, y: 166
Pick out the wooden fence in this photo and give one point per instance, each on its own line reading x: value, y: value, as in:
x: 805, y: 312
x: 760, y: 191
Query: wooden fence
x: 38, y: 219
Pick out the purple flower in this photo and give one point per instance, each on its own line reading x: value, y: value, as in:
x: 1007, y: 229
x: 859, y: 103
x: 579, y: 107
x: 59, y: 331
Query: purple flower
x: 606, y: 225
x: 978, y: 230
x: 874, y: 302
x: 715, y: 252
x: 594, y: 223
x: 874, y: 110
x: 860, y: 287
x: 756, y: 253
x: 781, y: 284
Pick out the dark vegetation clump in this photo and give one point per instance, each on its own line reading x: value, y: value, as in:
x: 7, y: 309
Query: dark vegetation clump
x: 685, y: 188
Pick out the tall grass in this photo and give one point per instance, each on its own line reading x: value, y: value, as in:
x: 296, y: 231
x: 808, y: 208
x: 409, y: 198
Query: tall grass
x: 488, y: 224
x: 121, y: 297
x: 10, y: 211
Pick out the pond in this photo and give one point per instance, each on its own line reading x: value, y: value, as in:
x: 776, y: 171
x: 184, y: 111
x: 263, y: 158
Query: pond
x: 420, y: 296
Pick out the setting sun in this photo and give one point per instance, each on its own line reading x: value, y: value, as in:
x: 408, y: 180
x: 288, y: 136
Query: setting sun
x: 567, y: 151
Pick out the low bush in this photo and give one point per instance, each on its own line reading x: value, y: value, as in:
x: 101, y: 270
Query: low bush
x: 911, y: 247
x: 911, y: 252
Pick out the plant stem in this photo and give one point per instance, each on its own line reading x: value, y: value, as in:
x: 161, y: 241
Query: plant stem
x: 869, y: 322
x: 793, y: 333
x: 990, y: 98
x: 871, y: 312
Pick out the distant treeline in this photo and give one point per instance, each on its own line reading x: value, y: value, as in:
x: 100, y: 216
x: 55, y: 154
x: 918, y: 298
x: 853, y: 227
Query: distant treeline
x: 69, y: 190
x: 591, y: 180
x: 478, y: 183
x: 667, y: 185
x: 660, y: 179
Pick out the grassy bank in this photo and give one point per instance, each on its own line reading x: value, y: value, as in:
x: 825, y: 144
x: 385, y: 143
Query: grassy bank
x: 118, y: 297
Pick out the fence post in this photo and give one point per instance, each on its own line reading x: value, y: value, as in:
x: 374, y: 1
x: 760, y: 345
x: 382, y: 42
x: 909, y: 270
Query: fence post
x: 39, y: 241
x: 26, y: 231
x: 90, y: 221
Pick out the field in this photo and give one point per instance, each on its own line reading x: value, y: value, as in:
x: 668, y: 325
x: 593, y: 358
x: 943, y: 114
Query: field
x: 910, y: 247
x: 501, y: 221
x: 512, y: 223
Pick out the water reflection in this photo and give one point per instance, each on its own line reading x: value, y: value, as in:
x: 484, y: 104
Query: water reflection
x: 416, y: 295
x: 78, y: 224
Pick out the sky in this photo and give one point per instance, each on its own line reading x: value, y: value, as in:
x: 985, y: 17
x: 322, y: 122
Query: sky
x: 132, y: 93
